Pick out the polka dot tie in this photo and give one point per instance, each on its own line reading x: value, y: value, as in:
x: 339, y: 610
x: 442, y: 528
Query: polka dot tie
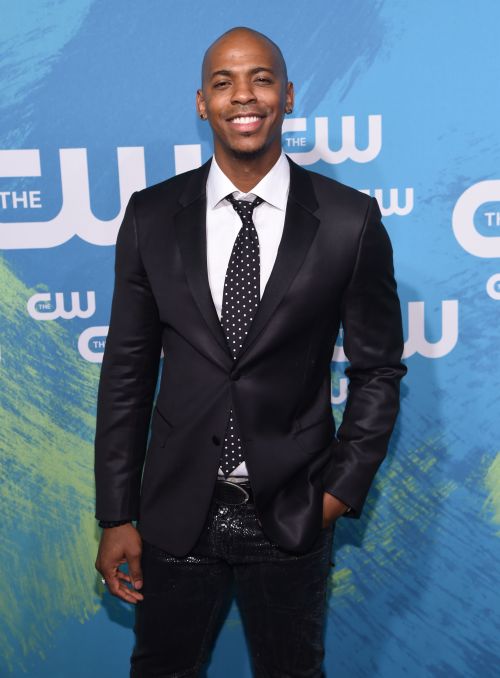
x: 240, y: 300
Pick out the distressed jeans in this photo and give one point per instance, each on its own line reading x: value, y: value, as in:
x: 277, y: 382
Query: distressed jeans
x: 281, y: 597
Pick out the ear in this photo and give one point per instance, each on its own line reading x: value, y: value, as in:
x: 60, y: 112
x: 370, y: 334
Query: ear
x: 201, y: 105
x: 289, y: 97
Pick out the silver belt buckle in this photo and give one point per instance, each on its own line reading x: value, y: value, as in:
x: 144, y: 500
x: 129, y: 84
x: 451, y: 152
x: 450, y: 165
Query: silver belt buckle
x: 237, y: 491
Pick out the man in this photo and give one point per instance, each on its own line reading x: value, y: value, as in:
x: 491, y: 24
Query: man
x: 242, y: 270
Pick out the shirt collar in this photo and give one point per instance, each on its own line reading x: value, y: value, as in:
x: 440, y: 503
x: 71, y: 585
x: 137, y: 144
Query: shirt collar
x: 272, y: 188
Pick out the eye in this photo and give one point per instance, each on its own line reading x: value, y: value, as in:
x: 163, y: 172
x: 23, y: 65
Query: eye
x: 264, y: 79
x: 220, y: 84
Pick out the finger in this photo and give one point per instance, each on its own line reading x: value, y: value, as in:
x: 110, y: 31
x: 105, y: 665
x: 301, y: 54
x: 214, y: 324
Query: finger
x: 135, y: 570
x: 109, y: 566
x: 116, y: 588
x: 128, y: 594
x: 125, y: 589
x: 123, y: 575
x: 116, y: 573
x: 111, y: 574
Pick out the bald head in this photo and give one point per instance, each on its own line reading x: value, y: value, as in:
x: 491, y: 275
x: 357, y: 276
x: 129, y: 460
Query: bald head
x: 234, y: 36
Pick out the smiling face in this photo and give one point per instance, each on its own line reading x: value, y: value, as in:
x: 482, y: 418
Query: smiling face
x: 244, y: 96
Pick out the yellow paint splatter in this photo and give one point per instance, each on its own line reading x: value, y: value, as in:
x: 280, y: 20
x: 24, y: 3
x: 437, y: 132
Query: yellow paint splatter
x: 343, y: 585
x: 402, y: 501
x: 492, y: 481
x: 49, y: 536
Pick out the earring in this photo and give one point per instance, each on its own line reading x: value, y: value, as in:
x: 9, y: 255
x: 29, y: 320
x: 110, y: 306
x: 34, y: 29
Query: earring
x: 202, y: 116
x: 288, y: 110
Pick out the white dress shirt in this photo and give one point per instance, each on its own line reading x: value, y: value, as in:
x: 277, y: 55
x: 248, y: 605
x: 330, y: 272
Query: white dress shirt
x: 223, y: 225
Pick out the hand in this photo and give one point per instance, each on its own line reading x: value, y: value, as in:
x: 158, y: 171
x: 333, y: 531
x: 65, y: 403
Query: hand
x: 333, y: 508
x: 120, y: 545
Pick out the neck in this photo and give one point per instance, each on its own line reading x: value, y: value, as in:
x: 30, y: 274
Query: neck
x: 244, y: 173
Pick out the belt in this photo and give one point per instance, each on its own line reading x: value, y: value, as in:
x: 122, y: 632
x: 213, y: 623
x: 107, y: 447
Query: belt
x: 227, y: 492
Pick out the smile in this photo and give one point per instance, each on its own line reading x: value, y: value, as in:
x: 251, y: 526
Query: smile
x: 245, y: 119
x: 246, y: 123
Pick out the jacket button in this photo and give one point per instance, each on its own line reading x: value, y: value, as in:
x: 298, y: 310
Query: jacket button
x: 235, y: 376
x: 216, y: 440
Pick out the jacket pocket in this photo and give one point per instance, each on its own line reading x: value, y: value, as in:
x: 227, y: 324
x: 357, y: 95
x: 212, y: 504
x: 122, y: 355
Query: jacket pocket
x: 316, y: 436
x: 161, y: 428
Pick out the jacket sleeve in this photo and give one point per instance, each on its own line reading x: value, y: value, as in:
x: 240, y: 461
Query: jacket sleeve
x: 373, y: 343
x: 128, y: 379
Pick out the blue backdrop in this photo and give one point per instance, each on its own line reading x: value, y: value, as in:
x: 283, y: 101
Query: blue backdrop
x: 397, y: 98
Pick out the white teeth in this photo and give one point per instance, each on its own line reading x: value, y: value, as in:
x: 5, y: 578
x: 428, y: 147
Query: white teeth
x: 245, y: 120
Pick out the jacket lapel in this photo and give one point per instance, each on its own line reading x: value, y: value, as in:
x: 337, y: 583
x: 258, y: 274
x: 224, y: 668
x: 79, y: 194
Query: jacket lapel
x: 298, y: 233
x: 190, y: 230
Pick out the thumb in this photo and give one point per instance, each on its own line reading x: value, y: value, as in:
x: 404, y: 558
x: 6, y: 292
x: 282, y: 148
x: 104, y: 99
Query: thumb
x: 135, y: 570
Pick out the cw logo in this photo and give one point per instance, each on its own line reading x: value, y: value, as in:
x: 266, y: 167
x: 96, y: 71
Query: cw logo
x: 41, y: 307
x: 75, y: 216
x: 347, y: 150
x: 417, y: 342
x: 91, y: 343
x: 463, y: 219
x: 493, y: 286
x: 393, y: 206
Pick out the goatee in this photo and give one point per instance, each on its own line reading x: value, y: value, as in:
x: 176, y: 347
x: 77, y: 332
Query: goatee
x: 248, y: 155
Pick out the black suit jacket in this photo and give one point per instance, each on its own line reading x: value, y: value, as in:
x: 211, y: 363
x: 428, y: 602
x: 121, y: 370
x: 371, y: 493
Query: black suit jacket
x: 334, y: 265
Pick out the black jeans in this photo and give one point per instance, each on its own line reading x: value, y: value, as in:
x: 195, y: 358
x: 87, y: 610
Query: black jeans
x: 281, y: 597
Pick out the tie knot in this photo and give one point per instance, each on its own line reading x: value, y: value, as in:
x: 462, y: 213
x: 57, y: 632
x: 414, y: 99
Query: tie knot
x: 244, y: 208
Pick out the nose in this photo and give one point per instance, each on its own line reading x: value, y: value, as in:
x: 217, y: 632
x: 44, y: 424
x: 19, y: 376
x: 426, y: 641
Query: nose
x: 243, y: 92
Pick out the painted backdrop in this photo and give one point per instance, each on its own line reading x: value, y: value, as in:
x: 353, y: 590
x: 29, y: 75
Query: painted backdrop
x: 397, y: 98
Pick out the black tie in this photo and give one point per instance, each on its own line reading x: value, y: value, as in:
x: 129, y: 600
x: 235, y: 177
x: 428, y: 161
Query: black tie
x: 240, y: 300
